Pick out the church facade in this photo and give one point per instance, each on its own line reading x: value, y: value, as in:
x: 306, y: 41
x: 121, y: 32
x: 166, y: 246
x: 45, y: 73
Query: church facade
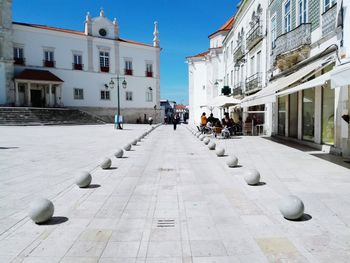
x: 44, y: 66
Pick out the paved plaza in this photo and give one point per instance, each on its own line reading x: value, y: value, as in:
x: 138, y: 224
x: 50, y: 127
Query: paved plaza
x: 169, y: 200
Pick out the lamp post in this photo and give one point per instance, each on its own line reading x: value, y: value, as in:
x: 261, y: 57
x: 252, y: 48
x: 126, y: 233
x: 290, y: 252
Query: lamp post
x: 112, y: 86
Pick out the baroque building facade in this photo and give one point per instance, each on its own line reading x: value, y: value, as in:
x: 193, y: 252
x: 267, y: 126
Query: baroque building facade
x: 55, y: 67
x: 288, y: 60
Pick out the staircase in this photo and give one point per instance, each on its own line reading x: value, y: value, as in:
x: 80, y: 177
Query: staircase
x: 45, y: 116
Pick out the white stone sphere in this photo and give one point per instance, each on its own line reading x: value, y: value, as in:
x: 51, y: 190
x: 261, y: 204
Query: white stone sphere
x: 220, y: 151
x: 83, y: 179
x: 134, y: 142
x: 106, y: 163
x: 139, y: 139
x: 201, y: 137
x: 199, y: 134
x: 291, y: 207
x: 41, y: 210
x: 211, y: 145
x: 232, y: 161
x: 127, y: 147
x: 206, y: 140
x: 252, y: 176
x: 119, y: 153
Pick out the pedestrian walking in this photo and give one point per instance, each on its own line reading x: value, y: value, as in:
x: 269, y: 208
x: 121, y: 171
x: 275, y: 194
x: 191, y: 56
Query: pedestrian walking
x: 175, y: 121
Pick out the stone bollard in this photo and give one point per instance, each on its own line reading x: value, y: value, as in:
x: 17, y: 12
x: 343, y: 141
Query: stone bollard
x: 232, y: 161
x: 201, y: 137
x: 206, y: 140
x: 134, y: 142
x: 127, y: 147
x: 41, y: 210
x: 220, y: 151
x: 291, y: 207
x: 83, y: 179
x: 119, y: 153
x: 252, y: 176
x: 211, y: 145
x: 106, y: 163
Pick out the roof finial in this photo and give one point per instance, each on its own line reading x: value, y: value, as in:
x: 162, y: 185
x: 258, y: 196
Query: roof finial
x: 88, y: 17
x: 102, y: 12
x: 156, y: 35
x: 115, y: 22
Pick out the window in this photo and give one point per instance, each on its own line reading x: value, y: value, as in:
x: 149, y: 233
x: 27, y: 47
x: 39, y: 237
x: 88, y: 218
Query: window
x: 78, y: 94
x: 18, y: 56
x: 49, y: 59
x: 128, y: 67
x: 302, y: 9
x: 258, y: 62
x: 328, y: 4
x: 281, y: 130
x: 128, y: 95
x: 48, y: 55
x: 309, y: 114
x: 77, y: 62
x: 273, y: 32
x: 149, y: 70
x: 287, y: 17
x: 105, y: 95
x: 149, y: 95
x: 252, y: 65
x: 104, y: 61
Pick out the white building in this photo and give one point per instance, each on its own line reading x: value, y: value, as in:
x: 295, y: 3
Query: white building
x: 245, y: 57
x: 56, y: 67
x: 206, y: 72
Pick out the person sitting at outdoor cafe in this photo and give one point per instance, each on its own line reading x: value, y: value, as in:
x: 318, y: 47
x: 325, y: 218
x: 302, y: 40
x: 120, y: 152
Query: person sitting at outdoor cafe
x: 203, y: 121
x: 217, y: 128
x: 228, y: 123
x: 211, y: 118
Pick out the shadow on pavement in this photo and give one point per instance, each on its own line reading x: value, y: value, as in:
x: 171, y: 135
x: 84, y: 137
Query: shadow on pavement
x: 55, y: 220
x: 339, y: 160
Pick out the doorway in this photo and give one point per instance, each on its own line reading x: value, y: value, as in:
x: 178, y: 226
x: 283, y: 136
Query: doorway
x: 36, y: 98
x: 293, y: 115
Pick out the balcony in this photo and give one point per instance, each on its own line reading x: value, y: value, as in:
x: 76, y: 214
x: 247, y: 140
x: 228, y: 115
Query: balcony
x: 104, y: 69
x: 149, y: 74
x: 292, y: 47
x: 128, y: 72
x: 79, y: 66
x: 19, y: 61
x: 237, y: 89
x: 253, y: 83
x: 49, y: 63
x: 329, y: 20
x: 254, y: 36
x: 238, y: 53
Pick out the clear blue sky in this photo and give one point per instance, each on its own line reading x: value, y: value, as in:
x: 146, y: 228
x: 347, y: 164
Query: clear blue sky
x: 184, y: 27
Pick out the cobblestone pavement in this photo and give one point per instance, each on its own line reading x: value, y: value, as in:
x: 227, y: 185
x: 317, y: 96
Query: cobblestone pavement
x: 168, y: 200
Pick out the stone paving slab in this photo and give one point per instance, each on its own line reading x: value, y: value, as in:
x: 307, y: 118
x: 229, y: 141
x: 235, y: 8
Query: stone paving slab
x: 169, y: 200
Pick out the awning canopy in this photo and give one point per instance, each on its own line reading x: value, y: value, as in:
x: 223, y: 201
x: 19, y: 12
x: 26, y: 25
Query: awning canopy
x: 37, y: 75
x: 319, y: 81
x: 340, y: 76
x: 223, y: 101
x: 268, y: 94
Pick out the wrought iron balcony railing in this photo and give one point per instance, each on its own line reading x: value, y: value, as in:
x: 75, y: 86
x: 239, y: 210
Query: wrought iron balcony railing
x: 237, y: 89
x: 238, y: 53
x: 329, y: 19
x: 77, y: 66
x: 254, y: 35
x: 293, y: 39
x: 49, y: 63
x: 253, y: 83
x: 20, y: 61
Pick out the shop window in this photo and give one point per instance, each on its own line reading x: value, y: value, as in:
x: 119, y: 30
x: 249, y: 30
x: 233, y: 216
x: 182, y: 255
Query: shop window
x: 282, y: 116
x: 309, y: 114
x: 327, y: 115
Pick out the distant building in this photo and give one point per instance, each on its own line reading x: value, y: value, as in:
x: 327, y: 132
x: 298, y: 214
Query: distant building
x: 44, y: 66
x: 182, y: 111
x: 168, y: 108
x: 206, y: 74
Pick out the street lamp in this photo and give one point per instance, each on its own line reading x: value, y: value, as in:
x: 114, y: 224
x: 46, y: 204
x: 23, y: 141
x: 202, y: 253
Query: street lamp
x: 112, y: 86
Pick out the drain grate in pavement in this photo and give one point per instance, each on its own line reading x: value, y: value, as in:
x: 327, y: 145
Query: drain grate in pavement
x: 166, y: 169
x: 166, y: 223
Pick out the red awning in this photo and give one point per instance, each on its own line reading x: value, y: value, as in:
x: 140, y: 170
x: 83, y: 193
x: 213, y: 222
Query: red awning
x: 40, y: 75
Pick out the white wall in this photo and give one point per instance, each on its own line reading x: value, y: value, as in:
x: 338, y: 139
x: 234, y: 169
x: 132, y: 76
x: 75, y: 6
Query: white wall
x: 64, y: 44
